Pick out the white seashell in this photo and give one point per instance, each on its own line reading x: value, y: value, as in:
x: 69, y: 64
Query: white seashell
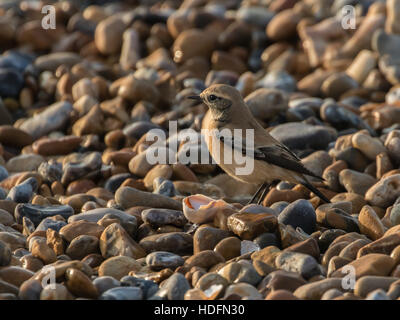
x: 201, y: 209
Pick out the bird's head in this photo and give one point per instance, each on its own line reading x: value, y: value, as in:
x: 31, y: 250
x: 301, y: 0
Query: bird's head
x: 221, y: 99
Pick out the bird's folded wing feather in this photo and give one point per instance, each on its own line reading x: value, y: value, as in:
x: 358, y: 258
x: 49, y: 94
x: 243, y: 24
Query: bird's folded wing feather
x: 277, y: 154
x: 280, y: 156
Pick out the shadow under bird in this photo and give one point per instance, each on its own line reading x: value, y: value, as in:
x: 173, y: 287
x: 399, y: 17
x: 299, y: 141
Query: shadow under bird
x: 273, y: 161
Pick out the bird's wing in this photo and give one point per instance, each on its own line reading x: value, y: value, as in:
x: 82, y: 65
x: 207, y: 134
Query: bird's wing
x: 276, y: 154
x: 281, y: 156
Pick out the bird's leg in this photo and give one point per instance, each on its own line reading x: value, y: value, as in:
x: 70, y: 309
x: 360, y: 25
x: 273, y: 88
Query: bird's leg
x: 264, y: 193
x: 256, y: 194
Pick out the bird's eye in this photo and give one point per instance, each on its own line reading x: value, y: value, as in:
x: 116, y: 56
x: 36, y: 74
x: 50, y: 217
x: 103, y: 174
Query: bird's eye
x: 212, y: 97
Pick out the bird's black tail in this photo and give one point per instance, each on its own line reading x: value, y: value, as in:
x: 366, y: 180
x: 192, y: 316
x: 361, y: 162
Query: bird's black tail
x: 310, y: 187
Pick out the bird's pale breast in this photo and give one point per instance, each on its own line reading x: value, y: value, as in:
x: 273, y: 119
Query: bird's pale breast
x: 256, y: 171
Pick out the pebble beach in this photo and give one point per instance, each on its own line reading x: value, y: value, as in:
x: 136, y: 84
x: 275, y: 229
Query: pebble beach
x: 84, y: 213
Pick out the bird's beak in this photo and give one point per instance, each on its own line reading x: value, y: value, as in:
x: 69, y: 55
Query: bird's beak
x: 197, y: 98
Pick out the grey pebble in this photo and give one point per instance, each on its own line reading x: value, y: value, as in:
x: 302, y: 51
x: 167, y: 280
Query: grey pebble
x: 122, y: 293
x: 300, y: 263
x: 161, y: 259
x: 149, y: 288
x: 3, y: 173
x: 299, y: 213
x: 105, y: 283
x: 174, y: 287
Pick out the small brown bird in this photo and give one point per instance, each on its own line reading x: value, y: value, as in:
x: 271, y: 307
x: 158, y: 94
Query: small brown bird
x: 273, y: 161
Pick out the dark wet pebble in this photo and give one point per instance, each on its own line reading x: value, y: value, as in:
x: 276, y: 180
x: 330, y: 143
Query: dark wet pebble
x: 266, y: 239
x: 255, y: 15
x: 5, y: 116
x: 297, y: 135
x: 105, y: 283
x: 327, y: 237
x: 148, y: 287
x: 299, y: 113
x: 279, y: 206
x: 23, y: 192
x: 299, y: 213
x: 15, y: 60
x: 74, y: 170
x: 3, y: 173
x: 160, y: 217
x: 36, y: 213
x: 278, y: 80
x: 49, y: 223
x: 30, y: 290
x: 11, y: 82
x: 342, y: 118
x: 123, y: 293
x: 283, y: 185
x: 174, y: 288
x: 139, y: 128
x: 5, y: 254
x: 3, y: 194
x: 164, y: 187
x: 114, y: 182
x: 160, y: 259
